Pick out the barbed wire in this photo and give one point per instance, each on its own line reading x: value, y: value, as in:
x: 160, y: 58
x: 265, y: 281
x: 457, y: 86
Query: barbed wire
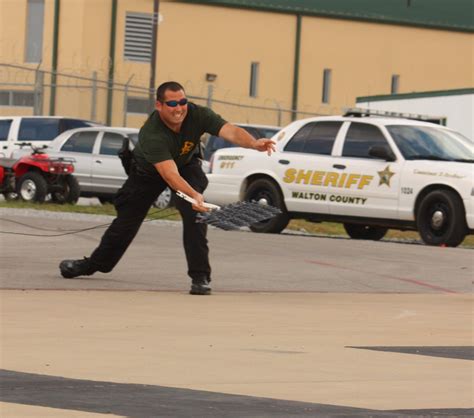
x: 235, y: 107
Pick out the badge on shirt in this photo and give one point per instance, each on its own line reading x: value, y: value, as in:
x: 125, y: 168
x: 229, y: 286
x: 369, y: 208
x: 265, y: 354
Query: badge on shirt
x: 187, y: 147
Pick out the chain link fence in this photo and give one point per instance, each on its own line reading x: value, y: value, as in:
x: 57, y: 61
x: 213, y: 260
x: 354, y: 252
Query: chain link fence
x: 26, y: 90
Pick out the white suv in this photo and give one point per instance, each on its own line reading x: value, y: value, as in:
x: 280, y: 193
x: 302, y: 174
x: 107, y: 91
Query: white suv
x: 39, y: 130
x: 370, y: 173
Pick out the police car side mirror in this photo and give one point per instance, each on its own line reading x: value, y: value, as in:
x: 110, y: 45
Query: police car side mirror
x: 382, y: 152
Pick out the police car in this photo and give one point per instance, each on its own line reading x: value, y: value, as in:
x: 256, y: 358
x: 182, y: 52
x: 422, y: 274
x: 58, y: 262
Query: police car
x: 369, y: 172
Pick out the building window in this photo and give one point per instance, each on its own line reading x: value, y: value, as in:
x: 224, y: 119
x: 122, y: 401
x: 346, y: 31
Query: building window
x: 138, y: 105
x: 17, y: 98
x: 254, y: 67
x: 34, y: 31
x: 138, y: 36
x: 326, y: 85
x: 395, y: 84
x: 4, y: 98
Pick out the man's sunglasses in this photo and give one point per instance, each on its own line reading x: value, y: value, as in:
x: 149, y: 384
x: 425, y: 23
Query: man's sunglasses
x: 174, y: 103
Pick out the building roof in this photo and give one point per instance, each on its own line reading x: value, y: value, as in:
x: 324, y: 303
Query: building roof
x: 416, y: 95
x: 456, y: 15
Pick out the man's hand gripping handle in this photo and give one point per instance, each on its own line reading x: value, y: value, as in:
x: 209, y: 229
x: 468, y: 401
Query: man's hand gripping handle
x: 189, y: 199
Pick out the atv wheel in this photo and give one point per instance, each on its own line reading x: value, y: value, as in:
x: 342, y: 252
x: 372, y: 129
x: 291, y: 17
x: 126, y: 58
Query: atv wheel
x: 32, y: 187
x: 70, y: 192
x: 374, y: 233
x: 266, y: 192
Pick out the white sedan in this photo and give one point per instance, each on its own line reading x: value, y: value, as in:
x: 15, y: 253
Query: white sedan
x: 97, y: 166
x: 370, y: 173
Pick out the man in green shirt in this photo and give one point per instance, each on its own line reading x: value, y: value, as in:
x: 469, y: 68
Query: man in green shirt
x: 166, y: 155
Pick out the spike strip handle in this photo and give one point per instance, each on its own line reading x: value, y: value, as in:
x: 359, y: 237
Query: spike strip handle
x: 193, y: 201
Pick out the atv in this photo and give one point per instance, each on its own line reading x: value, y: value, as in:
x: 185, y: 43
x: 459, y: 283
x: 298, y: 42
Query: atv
x: 35, y: 176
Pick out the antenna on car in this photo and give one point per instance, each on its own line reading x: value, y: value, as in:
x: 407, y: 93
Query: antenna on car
x: 361, y: 113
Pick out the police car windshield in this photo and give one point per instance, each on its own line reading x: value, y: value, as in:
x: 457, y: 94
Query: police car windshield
x: 430, y: 143
x: 461, y: 137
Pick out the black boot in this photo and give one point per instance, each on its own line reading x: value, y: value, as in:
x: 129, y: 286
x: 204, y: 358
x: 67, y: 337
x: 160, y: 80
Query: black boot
x: 75, y: 268
x: 200, y: 287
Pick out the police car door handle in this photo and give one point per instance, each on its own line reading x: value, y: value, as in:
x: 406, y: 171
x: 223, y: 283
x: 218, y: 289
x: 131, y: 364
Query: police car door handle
x: 339, y: 166
x: 98, y: 161
x: 283, y: 161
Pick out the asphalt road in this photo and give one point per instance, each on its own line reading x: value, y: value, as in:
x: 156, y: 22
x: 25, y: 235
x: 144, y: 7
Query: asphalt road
x: 242, y: 261
x: 297, y: 326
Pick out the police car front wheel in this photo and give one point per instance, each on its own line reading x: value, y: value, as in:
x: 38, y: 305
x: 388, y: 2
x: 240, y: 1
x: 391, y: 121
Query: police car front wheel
x: 267, y: 192
x: 440, y: 218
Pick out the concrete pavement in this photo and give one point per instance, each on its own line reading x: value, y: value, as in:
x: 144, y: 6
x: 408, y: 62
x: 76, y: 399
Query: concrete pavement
x: 298, y: 326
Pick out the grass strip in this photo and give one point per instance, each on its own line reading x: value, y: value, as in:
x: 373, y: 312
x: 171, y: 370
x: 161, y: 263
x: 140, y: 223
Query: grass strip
x: 323, y: 228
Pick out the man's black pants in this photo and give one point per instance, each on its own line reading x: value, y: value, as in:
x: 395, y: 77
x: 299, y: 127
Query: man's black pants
x: 132, y: 203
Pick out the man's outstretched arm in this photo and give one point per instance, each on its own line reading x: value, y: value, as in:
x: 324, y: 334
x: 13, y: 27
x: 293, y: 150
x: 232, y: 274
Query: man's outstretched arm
x: 242, y: 138
x: 169, y: 172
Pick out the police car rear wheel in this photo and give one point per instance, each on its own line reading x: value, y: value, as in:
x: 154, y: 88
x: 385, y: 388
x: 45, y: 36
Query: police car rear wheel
x: 440, y: 219
x: 266, y: 192
x: 356, y: 231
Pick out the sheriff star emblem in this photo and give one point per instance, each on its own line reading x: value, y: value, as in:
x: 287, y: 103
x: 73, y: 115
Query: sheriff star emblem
x: 385, y: 176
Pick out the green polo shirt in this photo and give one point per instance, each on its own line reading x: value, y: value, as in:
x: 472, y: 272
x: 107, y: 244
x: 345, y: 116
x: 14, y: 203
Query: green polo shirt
x: 157, y: 142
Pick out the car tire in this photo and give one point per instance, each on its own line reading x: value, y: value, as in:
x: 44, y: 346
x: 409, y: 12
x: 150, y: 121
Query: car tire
x: 105, y: 200
x: 10, y: 196
x: 440, y: 219
x: 356, y: 231
x: 70, y: 192
x: 265, y: 191
x: 32, y: 187
x: 165, y: 199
